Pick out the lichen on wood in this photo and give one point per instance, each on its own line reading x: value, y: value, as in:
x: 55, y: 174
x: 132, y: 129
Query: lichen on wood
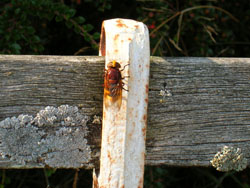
x: 207, y: 104
x: 228, y: 159
x: 23, y: 141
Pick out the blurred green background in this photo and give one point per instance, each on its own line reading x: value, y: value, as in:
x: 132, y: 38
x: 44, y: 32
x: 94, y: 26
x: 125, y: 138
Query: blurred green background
x: 215, y: 28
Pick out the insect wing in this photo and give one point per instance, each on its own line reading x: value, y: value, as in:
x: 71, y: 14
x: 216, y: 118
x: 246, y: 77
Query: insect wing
x: 112, y: 93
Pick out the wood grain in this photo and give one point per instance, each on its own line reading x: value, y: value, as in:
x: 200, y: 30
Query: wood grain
x: 196, y: 105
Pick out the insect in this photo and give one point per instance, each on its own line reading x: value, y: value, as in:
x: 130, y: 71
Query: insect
x: 113, y: 84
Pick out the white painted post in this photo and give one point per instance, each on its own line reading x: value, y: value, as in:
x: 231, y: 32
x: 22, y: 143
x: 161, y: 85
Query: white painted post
x: 124, y: 124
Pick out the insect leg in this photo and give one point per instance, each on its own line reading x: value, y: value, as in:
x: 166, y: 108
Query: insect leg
x: 124, y: 67
x: 105, y: 71
x: 122, y: 84
x: 125, y: 77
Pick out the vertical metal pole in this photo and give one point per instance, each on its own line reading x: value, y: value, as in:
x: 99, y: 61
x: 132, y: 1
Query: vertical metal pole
x: 124, y: 124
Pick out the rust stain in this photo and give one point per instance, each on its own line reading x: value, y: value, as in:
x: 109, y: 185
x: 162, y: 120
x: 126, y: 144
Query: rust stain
x: 142, y: 166
x: 146, y: 88
x: 136, y: 26
x: 116, y: 51
x: 145, y: 117
x: 116, y: 36
x: 102, y: 47
x: 129, y: 39
x: 122, y: 40
x: 122, y: 186
x: 120, y: 24
x: 140, y: 182
x: 95, y: 181
x: 129, y: 136
x: 144, y: 131
x: 110, y: 158
x: 121, y: 140
x: 146, y: 100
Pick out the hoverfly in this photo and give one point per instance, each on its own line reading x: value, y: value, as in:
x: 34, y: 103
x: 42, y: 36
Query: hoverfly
x: 113, y: 84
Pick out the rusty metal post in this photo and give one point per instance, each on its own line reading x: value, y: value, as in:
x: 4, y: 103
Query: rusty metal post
x: 124, y: 124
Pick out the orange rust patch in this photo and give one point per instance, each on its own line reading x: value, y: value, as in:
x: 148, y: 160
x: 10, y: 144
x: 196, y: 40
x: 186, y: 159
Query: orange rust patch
x: 109, y: 155
x: 129, y: 136
x: 146, y: 100
x: 120, y: 24
x: 143, y: 156
x: 116, y: 36
x: 121, y: 140
x: 144, y: 131
x: 110, y: 158
x: 129, y: 39
x: 136, y: 26
x: 116, y: 51
x: 140, y: 182
x: 102, y: 48
x: 95, y: 181
x: 145, y: 117
x: 147, y: 88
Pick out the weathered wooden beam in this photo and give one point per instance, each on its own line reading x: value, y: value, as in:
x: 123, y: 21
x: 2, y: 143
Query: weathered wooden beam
x: 196, y: 105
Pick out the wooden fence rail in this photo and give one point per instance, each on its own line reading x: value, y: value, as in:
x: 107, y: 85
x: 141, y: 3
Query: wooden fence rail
x: 196, y: 106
